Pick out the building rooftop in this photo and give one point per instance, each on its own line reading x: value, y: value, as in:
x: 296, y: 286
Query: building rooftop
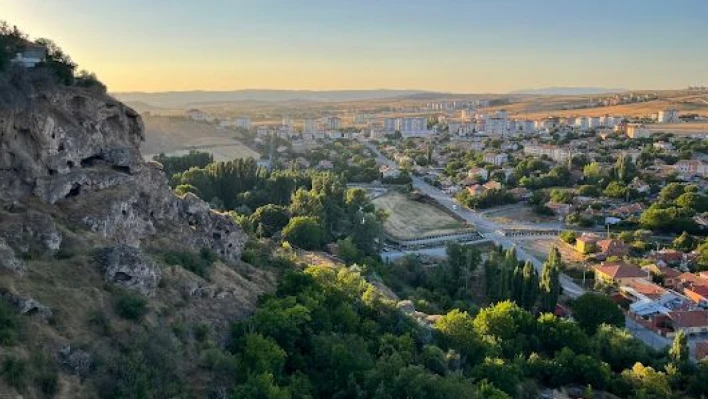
x: 620, y: 270
x: 689, y: 318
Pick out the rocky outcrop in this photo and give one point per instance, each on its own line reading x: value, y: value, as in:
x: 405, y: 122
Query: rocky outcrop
x: 78, y: 150
x: 129, y: 268
x: 27, y: 305
x: 77, y: 361
x: 9, y: 261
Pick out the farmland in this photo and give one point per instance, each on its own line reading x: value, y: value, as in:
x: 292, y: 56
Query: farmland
x: 176, y: 136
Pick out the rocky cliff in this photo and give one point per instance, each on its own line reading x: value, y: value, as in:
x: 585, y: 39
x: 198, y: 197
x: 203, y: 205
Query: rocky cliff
x: 83, y: 218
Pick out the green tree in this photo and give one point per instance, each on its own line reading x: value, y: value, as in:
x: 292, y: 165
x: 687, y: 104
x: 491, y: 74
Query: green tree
x: 592, y: 173
x: 549, y: 286
x: 591, y: 310
x: 530, y: 286
x: 458, y: 330
x: 678, y: 353
x: 261, y: 355
x: 616, y: 189
x: 270, y: 219
x: 685, y: 242
x: 648, y: 382
x: 305, y: 232
x: 624, y: 169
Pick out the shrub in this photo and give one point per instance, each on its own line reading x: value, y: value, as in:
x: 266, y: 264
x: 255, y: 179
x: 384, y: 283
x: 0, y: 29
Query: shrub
x: 198, y: 264
x: 14, y: 371
x: 99, y: 322
x: 568, y: 236
x: 131, y: 306
x: 9, y: 325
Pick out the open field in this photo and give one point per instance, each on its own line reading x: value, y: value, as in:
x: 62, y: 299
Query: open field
x: 177, y: 135
x: 680, y: 128
x: 512, y: 214
x: 540, y: 248
x: 412, y: 219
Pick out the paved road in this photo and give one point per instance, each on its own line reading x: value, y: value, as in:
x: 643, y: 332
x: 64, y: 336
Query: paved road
x: 486, y: 227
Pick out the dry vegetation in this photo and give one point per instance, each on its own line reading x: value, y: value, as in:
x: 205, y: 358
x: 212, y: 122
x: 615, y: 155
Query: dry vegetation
x: 412, y: 219
x: 174, y: 135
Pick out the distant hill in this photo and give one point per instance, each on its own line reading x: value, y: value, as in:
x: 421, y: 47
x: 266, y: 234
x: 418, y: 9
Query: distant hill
x: 181, y: 99
x: 567, y: 91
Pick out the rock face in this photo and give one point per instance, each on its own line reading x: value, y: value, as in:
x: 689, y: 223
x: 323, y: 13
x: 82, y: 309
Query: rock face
x: 78, y: 150
x: 127, y: 267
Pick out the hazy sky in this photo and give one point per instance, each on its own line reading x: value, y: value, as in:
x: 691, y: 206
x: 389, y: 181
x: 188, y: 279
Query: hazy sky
x: 447, y: 45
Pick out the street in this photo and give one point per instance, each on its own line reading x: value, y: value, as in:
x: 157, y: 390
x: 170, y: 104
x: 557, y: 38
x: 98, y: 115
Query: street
x: 486, y: 227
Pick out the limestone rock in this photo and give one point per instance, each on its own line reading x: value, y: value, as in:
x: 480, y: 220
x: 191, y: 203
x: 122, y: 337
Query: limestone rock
x: 77, y: 361
x: 27, y: 305
x: 9, y: 261
x: 78, y: 149
x: 127, y: 267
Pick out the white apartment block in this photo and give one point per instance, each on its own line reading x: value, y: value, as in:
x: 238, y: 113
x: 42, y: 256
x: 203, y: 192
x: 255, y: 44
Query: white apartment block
x: 496, y: 159
x: 691, y: 167
x: 496, y: 126
x: 392, y: 124
x: 593, y: 122
x: 412, y: 127
x: 243, y: 122
x: 309, y: 126
x: 287, y: 121
x: 636, y: 131
x: 581, y: 123
x: 525, y: 126
x: 454, y: 128
x: 334, y: 123
x: 668, y: 116
x: 558, y: 154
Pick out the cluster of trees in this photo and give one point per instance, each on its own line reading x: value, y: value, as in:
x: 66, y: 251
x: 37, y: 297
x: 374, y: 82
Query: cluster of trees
x: 488, y: 199
x: 675, y: 208
x: 177, y: 164
x: 509, y: 279
x: 329, y: 333
x: 438, y: 289
x: 13, y: 41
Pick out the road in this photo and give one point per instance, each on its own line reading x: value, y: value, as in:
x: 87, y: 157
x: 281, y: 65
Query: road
x: 488, y: 228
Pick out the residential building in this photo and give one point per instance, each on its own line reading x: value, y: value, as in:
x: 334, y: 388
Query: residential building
x: 388, y: 172
x: 476, y: 189
x: 668, y: 116
x: 414, y: 126
x: 525, y: 126
x: 691, y: 167
x: 496, y: 159
x: 636, y: 131
x: 556, y: 153
x: 620, y: 273
x: 392, y: 124
x: 593, y: 122
x: 334, y: 123
x: 31, y: 55
x: 243, y: 122
x: 480, y: 173
x: 663, y: 145
x: 586, y: 243
x: 611, y: 247
x: 581, y: 123
x: 691, y: 322
x: 496, y: 126
x: 454, y: 127
x: 310, y: 126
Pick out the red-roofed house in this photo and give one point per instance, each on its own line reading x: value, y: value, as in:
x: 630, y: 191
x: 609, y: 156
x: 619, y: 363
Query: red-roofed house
x: 620, y: 273
x: 690, y: 321
x: 669, y: 275
x: 612, y: 247
x: 586, y: 243
x: 698, y: 294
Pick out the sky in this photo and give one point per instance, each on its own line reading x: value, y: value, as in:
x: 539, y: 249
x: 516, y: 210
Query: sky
x: 459, y: 46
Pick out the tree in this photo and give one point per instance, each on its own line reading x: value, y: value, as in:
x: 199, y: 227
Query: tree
x: 685, y: 242
x: 591, y: 310
x: 671, y: 192
x: 648, y: 382
x: 270, y: 219
x: 624, y: 169
x: 678, y: 353
x: 305, y: 232
x: 458, y: 330
x: 549, y: 287
x: 592, y: 173
x: 529, y: 294
x: 59, y: 62
x: 616, y: 189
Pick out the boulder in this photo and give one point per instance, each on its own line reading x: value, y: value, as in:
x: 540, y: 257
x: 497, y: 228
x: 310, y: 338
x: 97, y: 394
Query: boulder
x: 9, y: 261
x: 129, y: 268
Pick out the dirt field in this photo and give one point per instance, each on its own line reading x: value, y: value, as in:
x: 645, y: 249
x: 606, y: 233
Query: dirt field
x: 411, y: 219
x: 176, y: 135
x: 541, y: 247
x: 510, y: 215
x: 680, y: 128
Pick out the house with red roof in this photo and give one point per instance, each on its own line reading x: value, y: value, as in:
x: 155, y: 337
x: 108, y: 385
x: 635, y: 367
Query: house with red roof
x: 698, y: 294
x: 612, y: 247
x: 620, y: 273
x: 691, y: 322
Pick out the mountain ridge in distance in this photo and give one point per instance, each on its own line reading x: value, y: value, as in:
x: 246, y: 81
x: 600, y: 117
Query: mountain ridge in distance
x: 185, y: 98
x: 551, y: 91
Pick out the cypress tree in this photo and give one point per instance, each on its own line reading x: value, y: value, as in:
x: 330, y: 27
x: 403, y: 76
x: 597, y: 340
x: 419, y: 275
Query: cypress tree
x: 549, y: 286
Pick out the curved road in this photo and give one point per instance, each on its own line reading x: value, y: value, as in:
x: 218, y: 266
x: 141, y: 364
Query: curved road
x: 488, y: 228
